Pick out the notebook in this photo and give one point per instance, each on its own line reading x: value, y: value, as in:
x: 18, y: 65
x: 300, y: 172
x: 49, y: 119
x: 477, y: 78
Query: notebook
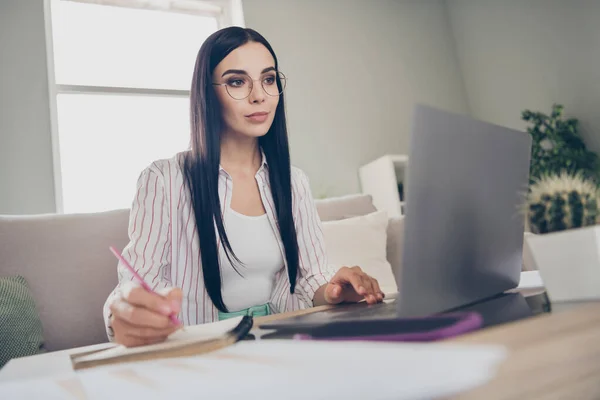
x: 193, y: 340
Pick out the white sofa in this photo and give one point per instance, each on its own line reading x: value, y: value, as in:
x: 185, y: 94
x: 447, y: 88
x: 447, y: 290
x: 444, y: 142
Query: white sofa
x: 66, y: 262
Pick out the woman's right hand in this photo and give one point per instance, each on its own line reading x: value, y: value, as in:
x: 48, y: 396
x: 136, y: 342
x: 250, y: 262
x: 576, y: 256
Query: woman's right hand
x: 140, y: 317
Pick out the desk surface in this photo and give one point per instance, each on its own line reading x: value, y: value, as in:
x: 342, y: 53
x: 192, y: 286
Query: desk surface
x: 551, y: 356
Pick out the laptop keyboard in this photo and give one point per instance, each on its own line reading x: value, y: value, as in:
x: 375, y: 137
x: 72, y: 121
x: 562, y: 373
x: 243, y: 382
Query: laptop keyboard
x: 375, y: 311
x: 342, y: 313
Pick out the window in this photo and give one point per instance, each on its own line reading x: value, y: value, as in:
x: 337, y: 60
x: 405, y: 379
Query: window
x: 120, y: 72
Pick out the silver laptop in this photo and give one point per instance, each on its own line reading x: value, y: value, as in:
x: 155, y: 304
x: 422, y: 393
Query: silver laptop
x: 463, y: 229
x: 466, y: 180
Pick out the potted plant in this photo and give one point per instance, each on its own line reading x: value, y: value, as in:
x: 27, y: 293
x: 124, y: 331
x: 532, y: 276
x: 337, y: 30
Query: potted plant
x: 562, y: 207
x: 562, y: 213
x: 557, y: 146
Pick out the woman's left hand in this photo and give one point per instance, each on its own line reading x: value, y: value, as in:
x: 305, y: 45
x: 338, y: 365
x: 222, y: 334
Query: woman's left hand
x: 352, y: 285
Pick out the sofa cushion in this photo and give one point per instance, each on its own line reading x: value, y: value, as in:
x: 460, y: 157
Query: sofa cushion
x: 67, y: 264
x: 395, y: 244
x: 20, y: 325
x: 361, y: 241
x: 343, y: 207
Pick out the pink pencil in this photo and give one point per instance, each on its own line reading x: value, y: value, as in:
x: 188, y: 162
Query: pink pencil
x: 173, y: 317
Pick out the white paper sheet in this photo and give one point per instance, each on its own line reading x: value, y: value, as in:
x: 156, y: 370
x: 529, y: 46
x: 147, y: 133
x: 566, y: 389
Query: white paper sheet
x: 287, y: 369
x: 48, y: 389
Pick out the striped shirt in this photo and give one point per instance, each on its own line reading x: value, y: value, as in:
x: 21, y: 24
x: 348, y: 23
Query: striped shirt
x: 163, y: 241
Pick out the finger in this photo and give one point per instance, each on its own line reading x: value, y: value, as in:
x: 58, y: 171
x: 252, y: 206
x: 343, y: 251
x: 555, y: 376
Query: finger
x: 365, y: 283
x: 173, y: 296
x: 129, y: 335
x: 369, y: 284
x: 131, y: 341
x: 355, y: 279
x: 333, y: 293
x: 121, y: 336
x: 140, y: 297
x: 139, y: 316
x: 351, y: 280
x: 370, y: 296
x: 142, y: 332
x: 378, y: 292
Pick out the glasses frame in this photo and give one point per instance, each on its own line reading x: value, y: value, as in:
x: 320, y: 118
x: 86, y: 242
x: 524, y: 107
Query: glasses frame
x: 280, y: 76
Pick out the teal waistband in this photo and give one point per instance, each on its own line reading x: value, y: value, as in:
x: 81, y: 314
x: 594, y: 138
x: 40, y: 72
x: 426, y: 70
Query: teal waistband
x: 255, y: 311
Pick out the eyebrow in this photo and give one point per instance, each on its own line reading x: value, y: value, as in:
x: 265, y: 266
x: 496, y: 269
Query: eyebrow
x: 241, y: 71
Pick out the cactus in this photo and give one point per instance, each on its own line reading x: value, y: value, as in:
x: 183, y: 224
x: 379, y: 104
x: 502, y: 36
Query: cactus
x: 560, y: 202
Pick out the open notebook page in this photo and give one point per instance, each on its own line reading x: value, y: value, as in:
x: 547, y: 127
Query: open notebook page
x: 190, y: 334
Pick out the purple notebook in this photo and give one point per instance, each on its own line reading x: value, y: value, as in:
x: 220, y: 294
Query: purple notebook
x: 423, y: 329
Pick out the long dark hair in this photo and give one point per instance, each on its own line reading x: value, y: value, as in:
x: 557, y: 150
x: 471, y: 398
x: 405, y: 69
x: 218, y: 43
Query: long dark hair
x: 201, y: 164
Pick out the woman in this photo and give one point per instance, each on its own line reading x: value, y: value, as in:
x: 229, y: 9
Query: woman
x: 229, y: 227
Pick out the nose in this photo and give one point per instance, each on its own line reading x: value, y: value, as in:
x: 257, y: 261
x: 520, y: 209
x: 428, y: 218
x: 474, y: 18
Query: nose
x: 257, y: 95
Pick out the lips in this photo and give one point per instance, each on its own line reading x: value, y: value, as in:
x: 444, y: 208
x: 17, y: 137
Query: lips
x: 259, y: 116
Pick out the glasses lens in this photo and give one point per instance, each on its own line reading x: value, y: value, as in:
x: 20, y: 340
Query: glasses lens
x: 239, y: 86
x: 271, y: 86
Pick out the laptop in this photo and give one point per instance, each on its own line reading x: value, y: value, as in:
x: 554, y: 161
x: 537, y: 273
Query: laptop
x: 463, y: 229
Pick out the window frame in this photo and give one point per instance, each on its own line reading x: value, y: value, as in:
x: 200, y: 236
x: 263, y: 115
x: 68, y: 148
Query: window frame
x: 227, y: 13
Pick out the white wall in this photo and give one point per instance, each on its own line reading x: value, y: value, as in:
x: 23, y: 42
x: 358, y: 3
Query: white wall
x: 26, y: 177
x: 518, y: 54
x: 355, y: 69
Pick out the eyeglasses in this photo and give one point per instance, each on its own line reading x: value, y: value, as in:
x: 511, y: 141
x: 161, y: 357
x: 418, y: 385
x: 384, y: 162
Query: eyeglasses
x: 239, y: 86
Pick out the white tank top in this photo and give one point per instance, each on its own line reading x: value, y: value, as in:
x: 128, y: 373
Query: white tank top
x: 255, y: 245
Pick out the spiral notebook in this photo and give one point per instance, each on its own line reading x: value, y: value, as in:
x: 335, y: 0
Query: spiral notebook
x: 197, y: 339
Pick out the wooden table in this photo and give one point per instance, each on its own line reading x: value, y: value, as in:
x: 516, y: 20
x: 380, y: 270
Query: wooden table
x: 551, y: 356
